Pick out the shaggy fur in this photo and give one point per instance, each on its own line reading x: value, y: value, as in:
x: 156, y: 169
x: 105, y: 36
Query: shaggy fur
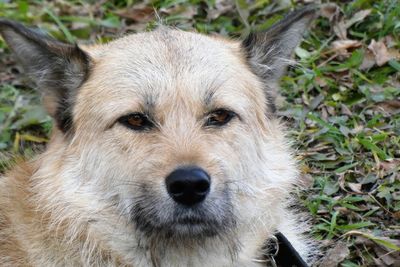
x: 97, y: 195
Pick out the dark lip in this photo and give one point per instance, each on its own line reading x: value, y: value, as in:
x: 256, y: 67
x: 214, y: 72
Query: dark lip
x: 193, y: 221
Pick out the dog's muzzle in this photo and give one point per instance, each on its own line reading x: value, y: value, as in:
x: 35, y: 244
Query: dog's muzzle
x: 192, y: 209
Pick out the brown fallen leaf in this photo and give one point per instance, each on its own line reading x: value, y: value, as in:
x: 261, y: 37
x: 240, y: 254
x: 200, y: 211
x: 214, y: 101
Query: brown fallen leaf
x: 189, y: 12
x: 345, y: 110
x: 384, y: 242
x: 342, y: 181
x: 361, y: 240
x: 138, y: 13
x: 341, y: 27
x: 221, y: 7
x: 324, y: 113
x: 335, y: 255
x: 390, y: 107
x: 359, y: 16
x: 343, y: 210
x: 340, y: 30
x: 378, y: 263
x: 394, y: 53
x: 330, y: 11
x: 306, y: 180
x: 331, y: 110
x: 389, y: 259
x: 183, y: 11
x: 355, y: 187
x: 341, y: 46
x: 321, y: 81
x: 389, y: 41
x: 368, y: 60
x: 390, y: 165
x: 380, y: 51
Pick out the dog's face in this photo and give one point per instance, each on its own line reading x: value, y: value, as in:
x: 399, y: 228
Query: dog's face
x: 173, y: 131
x: 164, y: 134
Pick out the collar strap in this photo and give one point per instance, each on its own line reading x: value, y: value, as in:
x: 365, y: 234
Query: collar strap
x: 285, y: 255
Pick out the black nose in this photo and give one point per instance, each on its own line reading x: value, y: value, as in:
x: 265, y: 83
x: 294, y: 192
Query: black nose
x: 188, y: 186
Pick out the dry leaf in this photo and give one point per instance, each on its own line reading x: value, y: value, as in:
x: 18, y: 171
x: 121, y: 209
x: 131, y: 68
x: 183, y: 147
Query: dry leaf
x: 342, y: 210
x: 390, y: 165
x: 330, y: 11
x: 345, y: 44
x: 335, y: 255
x: 388, y: 259
x: 187, y: 12
x: 359, y: 16
x: 390, y: 41
x: 321, y: 82
x: 341, y: 27
x: 368, y: 60
x: 340, y: 30
x: 355, y: 187
x: 394, y: 53
x: 341, y: 46
x: 331, y: 110
x: 378, y: 263
x: 391, y: 107
x: 361, y: 240
x: 382, y: 56
x: 137, y: 13
x: 342, y: 181
x: 221, y: 7
x: 324, y: 113
x: 306, y: 180
x: 345, y: 110
x: 358, y: 129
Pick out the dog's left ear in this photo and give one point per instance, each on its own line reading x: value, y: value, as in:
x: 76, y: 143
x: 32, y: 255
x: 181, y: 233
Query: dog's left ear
x: 269, y: 52
x: 57, y: 68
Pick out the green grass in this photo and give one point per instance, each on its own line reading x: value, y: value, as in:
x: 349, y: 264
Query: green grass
x: 344, y: 115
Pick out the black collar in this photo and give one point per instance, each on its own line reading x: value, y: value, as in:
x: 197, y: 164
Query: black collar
x: 282, y: 253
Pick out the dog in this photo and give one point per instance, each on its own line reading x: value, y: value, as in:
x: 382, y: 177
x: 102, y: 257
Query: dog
x: 166, y: 151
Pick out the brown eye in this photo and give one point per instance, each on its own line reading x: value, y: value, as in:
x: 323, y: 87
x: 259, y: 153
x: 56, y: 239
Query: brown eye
x: 219, y: 117
x: 136, y: 121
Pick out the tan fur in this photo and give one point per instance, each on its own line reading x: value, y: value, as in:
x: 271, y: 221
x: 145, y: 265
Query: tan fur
x: 68, y: 206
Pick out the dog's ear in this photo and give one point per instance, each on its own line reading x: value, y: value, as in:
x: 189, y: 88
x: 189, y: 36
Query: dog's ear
x: 269, y: 52
x: 57, y: 68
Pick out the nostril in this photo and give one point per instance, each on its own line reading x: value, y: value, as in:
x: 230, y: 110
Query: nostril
x: 202, y: 186
x: 177, y: 188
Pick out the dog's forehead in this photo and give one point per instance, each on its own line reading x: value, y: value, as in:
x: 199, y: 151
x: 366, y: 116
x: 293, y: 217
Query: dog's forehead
x: 165, y: 55
x: 165, y: 66
x: 172, y: 50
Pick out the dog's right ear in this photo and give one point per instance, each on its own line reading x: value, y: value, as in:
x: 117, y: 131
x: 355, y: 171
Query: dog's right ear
x: 268, y: 52
x: 57, y: 68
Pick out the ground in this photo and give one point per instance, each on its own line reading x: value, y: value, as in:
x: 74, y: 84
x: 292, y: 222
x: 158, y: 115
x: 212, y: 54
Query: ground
x: 341, y: 102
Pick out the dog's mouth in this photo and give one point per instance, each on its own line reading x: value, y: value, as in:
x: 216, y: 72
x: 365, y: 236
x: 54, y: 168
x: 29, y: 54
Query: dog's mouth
x: 188, y: 224
x: 193, y: 227
x: 191, y: 221
x: 168, y: 220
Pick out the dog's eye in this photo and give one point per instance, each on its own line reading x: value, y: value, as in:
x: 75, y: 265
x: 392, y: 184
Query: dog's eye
x: 136, y: 121
x: 219, y: 117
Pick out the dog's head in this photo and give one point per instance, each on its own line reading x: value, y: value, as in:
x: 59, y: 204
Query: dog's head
x: 173, y: 130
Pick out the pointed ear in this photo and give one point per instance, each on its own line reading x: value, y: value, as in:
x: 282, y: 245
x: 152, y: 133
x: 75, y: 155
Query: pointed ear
x: 57, y: 68
x: 269, y: 52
